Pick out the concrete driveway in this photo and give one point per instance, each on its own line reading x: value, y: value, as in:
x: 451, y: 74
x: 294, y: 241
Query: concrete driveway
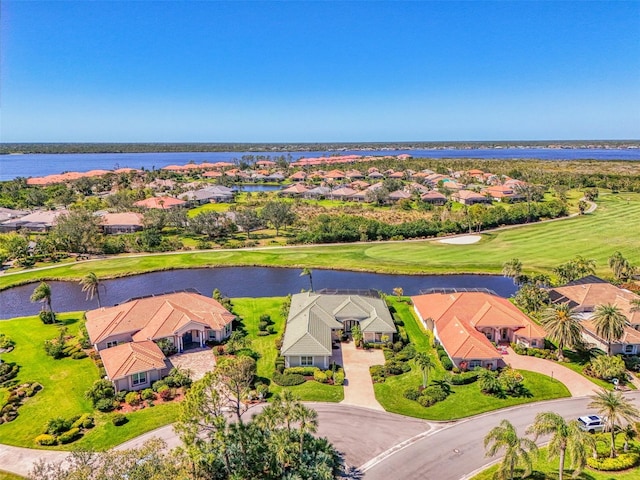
x: 358, y: 387
x: 578, y: 385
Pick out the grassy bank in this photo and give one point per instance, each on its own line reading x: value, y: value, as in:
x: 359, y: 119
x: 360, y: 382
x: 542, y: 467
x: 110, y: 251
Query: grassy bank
x: 540, y: 247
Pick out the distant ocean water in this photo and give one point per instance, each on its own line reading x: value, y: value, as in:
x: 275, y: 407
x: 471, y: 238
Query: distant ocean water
x: 37, y: 165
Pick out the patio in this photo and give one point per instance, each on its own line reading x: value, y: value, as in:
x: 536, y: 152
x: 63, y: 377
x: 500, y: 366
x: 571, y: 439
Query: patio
x: 198, y: 360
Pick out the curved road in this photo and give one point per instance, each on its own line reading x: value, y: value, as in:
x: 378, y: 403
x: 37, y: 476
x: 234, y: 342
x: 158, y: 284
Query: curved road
x: 457, y: 449
x: 382, y: 445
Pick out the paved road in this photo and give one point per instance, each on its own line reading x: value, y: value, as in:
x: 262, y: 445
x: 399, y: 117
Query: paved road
x: 450, y: 453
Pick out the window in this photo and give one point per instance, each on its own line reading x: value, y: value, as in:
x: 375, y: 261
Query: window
x: 138, y: 378
x: 212, y: 334
x: 112, y: 344
x: 474, y: 363
x: 628, y: 349
x: 377, y: 337
x: 306, y: 361
x: 534, y: 343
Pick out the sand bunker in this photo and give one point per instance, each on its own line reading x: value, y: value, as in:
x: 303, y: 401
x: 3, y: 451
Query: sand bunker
x: 463, y: 240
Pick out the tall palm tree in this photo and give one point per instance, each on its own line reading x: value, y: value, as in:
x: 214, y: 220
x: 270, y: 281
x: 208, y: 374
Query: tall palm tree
x: 91, y: 285
x: 562, y: 326
x: 425, y: 364
x: 307, y: 422
x: 620, y: 266
x: 42, y: 293
x: 512, y: 269
x: 609, y: 322
x: 615, y: 408
x: 568, y: 441
x: 307, y: 271
x: 517, y: 450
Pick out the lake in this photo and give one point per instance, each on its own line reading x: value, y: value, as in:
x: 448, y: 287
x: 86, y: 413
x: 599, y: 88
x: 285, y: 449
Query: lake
x: 37, y: 165
x: 237, y: 282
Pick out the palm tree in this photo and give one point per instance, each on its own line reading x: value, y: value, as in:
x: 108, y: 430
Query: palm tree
x: 307, y: 421
x: 562, y: 326
x: 91, y: 285
x: 630, y: 432
x: 620, y: 266
x: 517, y: 450
x: 425, y: 364
x: 635, y: 305
x: 512, y: 269
x: 568, y: 440
x: 307, y: 271
x: 42, y: 293
x: 398, y: 292
x: 615, y: 408
x: 609, y: 322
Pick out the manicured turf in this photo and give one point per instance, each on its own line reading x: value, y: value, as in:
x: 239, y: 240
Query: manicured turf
x: 465, y: 400
x: 250, y: 310
x: 65, y: 382
x: 540, y: 247
x: 548, y: 470
x: 10, y: 476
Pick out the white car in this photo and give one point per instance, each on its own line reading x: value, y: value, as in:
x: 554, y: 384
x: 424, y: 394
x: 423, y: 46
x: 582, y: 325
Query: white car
x: 591, y: 423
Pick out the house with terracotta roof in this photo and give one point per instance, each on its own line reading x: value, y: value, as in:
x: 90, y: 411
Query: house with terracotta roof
x: 469, y: 197
x: 135, y: 366
x: 315, y: 318
x: 342, y: 193
x: 125, y: 222
x: 295, y: 190
x: 585, y: 294
x: 163, y: 203
x: 501, y: 192
x: 434, y: 198
x: 126, y: 335
x: 466, y: 324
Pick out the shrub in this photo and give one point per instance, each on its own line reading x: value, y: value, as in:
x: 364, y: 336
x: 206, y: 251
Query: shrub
x: 446, y: 362
x: 148, y: 394
x: 464, y: 378
x: 180, y: 377
x: 407, y: 353
x: 8, y: 371
x: 47, y: 317
x: 435, y: 391
x: 623, y: 461
x: 100, y: 390
x: 510, y: 380
x: 412, y: 393
x: 263, y: 326
x: 306, y: 371
x: 46, y: 440
x: 88, y: 422
x: 247, y: 352
x: 119, y: 419
x: 606, y: 367
x: 288, y: 379
x: 132, y: 398
x: 262, y: 390
x: 165, y: 392
x: 396, y: 367
x: 377, y: 370
x: 426, y: 400
x: 121, y: 395
x: 157, y: 385
x: 79, y: 355
x: 262, y: 333
x: 6, y: 342
x: 319, y: 376
x: 338, y: 378
x: 271, y: 329
x: 70, y: 436
x: 329, y: 374
x: 105, y: 405
x: 266, y: 318
x: 278, y: 342
x: 54, y: 349
x: 82, y: 420
x: 57, y: 425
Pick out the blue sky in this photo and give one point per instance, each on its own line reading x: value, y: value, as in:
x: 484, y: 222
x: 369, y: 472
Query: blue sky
x: 318, y: 71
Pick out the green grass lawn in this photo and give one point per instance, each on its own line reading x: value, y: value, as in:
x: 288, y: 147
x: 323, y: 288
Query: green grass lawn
x: 250, y: 310
x: 544, y: 469
x: 65, y: 382
x: 10, y: 476
x: 540, y: 247
x: 465, y: 400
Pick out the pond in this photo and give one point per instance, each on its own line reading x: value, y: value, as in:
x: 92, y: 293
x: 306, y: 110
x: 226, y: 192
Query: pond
x: 237, y: 282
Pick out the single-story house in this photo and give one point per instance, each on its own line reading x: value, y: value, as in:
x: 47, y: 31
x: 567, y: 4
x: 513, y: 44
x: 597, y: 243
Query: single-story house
x: 342, y: 193
x: 317, y: 192
x: 163, y: 203
x: 296, y: 190
x: 468, y: 197
x: 211, y: 194
x: 434, y: 198
x: 9, y: 214
x: 134, y: 365
x: 466, y: 324
x: 126, y: 222
x: 38, y: 221
x: 185, y: 319
x: 500, y: 192
x: 315, y: 318
x: 585, y: 294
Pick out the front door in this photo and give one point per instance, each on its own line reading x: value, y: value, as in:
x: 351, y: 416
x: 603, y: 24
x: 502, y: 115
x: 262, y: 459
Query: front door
x: 504, y: 334
x: 348, y: 325
x: 187, y: 338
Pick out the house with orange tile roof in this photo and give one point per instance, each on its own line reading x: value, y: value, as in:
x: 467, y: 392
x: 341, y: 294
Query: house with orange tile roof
x: 469, y: 197
x: 295, y: 190
x: 585, y: 294
x: 502, y: 192
x: 163, y: 203
x: 135, y: 366
x: 434, y: 198
x: 128, y: 333
x: 298, y: 176
x: 466, y: 324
